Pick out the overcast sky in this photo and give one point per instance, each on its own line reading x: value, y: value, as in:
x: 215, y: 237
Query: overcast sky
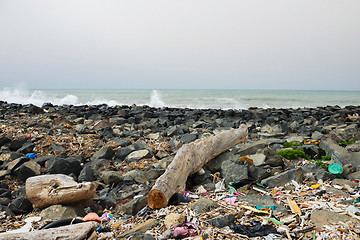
x: 157, y: 44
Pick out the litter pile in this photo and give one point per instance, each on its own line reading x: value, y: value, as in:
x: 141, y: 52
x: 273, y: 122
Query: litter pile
x: 99, y: 172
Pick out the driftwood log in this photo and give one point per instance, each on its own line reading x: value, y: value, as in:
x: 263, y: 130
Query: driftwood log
x: 189, y: 159
x: 80, y: 231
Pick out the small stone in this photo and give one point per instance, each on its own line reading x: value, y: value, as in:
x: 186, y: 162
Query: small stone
x: 134, y: 206
x: 21, y: 205
x: 203, y: 205
x: 86, y: 175
x: 258, y: 159
x: 222, y: 221
x: 173, y: 219
x: 57, y: 212
x: 111, y: 177
x: 140, y: 228
x: 138, y: 155
x: 104, y: 153
x: 316, y: 135
x: 26, y: 148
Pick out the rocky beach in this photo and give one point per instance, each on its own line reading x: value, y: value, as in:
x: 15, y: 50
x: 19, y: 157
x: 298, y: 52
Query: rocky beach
x: 295, y: 177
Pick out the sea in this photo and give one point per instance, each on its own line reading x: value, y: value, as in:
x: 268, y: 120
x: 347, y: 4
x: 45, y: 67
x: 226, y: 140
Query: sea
x: 184, y: 98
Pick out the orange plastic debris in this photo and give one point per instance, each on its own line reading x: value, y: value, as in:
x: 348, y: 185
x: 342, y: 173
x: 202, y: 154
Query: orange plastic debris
x: 217, y: 177
x: 247, y: 159
x: 92, y: 217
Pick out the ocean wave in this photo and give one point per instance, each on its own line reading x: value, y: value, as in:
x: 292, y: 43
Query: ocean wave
x: 38, y: 98
x: 35, y: 97
x: 156, y: 100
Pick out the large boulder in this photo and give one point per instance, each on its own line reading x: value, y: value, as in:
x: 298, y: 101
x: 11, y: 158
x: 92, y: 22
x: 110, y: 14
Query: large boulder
x: 339, y: 154
x: 47, y: 190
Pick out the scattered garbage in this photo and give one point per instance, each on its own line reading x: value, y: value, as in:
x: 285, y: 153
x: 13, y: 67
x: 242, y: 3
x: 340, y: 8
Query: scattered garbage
x: 295, y: 207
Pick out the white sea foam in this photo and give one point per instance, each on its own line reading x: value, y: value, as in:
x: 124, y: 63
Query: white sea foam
x: 155, y: 99
x: 38, y: 98
x: 203, y: 99
x: 35, y: 97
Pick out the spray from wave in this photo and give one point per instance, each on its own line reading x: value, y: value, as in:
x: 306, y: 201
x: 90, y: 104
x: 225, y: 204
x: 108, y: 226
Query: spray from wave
x: 155, y: 99
x: 38, y: 98
x: 35, y: 97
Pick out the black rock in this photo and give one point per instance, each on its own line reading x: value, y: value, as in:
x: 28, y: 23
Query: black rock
x: 43, y: 159
x: 222, y: 221
x: 16, y: 144
x: 134, y: 206
x: 274, y: 161
x: 5, y: 192
x: 123, y: 152
x: 104, y: 153
x: 20, y: 192
x: 188, y: 137
x: 13, y: 165
x: 86, y: 174
x: 63, y: 166
x: 4, y: 140
x: 26, y: 170
x: 21, y: 205
x: 123, y: 142
x: 26, y: 148
x: 233, y: 171
x: 5, y: 201
x: 259, y: 173
x: 35, y: 109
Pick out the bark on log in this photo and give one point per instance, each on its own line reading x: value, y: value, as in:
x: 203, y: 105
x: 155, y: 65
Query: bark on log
x: 78, y: 231
x: 189, y: 159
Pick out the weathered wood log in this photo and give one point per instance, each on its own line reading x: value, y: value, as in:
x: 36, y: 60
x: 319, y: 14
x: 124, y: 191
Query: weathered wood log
x: 189, y: 159
x: 78, y: 231
x: 47, y: 190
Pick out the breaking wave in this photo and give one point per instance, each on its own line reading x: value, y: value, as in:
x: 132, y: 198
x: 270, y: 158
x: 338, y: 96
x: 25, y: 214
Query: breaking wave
x: 155, y: 99
x: 38, y: 98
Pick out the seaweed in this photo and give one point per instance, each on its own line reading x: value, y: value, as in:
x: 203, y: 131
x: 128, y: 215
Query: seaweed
x: 292, y: 154
x: 343, y: 142
x: 326, y: 158
x: 290, y: 144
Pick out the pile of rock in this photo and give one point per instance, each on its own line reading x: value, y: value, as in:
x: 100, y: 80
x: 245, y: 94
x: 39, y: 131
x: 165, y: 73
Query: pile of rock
x: 119, y: 152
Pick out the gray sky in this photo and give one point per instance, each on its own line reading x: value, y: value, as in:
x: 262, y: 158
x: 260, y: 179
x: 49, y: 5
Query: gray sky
x: 231, y: 44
